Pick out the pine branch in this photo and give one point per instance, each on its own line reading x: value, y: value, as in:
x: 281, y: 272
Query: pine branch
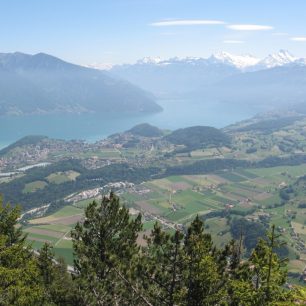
x: 133, y: 288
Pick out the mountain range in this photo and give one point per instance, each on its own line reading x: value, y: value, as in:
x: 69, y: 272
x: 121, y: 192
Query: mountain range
x: 277, y: 80
x: 42, y: 83
x: 244, y: 62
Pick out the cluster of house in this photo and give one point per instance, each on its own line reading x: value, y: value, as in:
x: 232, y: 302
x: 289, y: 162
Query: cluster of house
x: 28, y: 156
x: 96, y: 193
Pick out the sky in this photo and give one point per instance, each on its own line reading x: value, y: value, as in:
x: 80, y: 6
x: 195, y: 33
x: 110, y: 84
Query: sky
x: 123, y: 31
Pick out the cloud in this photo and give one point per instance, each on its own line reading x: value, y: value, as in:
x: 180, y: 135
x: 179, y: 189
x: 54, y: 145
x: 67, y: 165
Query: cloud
x: 300, y: 38
x: 233, y: 41
x: 186, y: 22
x: 249, y: 27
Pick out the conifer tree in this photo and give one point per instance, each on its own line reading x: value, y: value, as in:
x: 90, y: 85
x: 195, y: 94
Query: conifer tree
x: 58, y: 286
x: 19, y: 276
x: 105, y: 247
x: 260, y: 280
x: 163, y: 267
x: 203, y: 278
x: 8, y: 221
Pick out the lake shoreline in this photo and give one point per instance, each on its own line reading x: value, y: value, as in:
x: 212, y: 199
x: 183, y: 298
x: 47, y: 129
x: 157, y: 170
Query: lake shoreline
x: 177, y: 113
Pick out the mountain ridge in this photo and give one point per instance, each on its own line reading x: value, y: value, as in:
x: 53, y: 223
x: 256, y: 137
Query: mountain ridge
x: 42, y: 83
x: 275, y: 80
x: 242, y: 62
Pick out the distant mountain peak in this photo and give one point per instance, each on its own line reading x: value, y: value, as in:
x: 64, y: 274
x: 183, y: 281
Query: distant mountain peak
x: 282, y: 57
x: 242, y: 62
x: 149, y: 60
x: 238, y: 61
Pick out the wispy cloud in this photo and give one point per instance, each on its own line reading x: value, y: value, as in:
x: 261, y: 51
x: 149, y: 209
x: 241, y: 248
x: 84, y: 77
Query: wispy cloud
x: 186, y: 22
x: 299, y: 38
x: 233, y: 41
x: 249, y: 27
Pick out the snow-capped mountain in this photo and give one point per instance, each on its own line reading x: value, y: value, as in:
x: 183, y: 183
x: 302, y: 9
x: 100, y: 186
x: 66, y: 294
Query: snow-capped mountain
x: 238, y: 61
x: 242, y: 62
x: 174, y: 75
x: 179, y: 76
x: 283, y: 57
x: 149, y: 60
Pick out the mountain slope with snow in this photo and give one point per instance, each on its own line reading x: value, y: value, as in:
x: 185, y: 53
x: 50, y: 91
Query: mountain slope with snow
x: 283, y: 57
x: 176, y: 76
x: 238, y: 61
x: 241, y: 62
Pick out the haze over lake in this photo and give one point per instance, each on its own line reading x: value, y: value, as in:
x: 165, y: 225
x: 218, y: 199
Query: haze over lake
x: 91, y: 127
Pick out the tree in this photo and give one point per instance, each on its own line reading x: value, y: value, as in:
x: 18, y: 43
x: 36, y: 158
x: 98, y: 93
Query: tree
x: 252, y: 231
x: 19, y: 277
x: 58, y: 286
x: 105, y: 248
x: 162, y: 267
x: 203, y: 278
x: 262, y: 277
x: 8, y: 221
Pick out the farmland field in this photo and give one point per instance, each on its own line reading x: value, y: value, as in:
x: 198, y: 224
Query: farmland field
x: 178, y: 199
x: 33, y: 186
x: 62, y: 177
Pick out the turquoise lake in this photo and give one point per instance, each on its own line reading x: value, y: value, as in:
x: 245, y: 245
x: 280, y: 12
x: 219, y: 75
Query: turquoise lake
x: 92, y: 127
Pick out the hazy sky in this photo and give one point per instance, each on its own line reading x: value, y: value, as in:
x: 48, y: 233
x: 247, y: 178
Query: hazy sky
x: 117, y: 31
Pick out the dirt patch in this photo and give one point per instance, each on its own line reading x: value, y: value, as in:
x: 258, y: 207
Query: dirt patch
x: 68, y: 220
x: 263, y: 196
x: 219, y: 179
x: 44, y: 232
x: 246, y: 205
x: 43, y: 220
x: 140, y: 240
x: 40, y: 239
x: 180, y: 186
x: 261, y: 181
x: 233, y: 196
x: 299, y: 228
x: 145, y: 206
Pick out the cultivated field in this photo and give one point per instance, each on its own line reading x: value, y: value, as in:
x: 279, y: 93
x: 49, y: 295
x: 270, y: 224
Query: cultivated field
x: 252, y: 193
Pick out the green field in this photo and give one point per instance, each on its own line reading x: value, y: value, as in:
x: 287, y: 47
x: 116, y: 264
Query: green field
x: 178, y: 199
x: 33, y: 186
x: 84, y: 203
x: 55, y: 227
x: 231, y: 176
x: 62, y: 177
x: 67, y: 211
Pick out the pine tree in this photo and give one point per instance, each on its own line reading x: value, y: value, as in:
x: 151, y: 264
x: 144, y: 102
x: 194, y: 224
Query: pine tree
x: 19, y: 276
x: 45, y: 264
x: 58, y: 286
x: 203, y: 279
x: 105, y: 248
x: 162, y: 267
x: 260, y: 279
x: 8, y: 221
x: 269, y: 269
